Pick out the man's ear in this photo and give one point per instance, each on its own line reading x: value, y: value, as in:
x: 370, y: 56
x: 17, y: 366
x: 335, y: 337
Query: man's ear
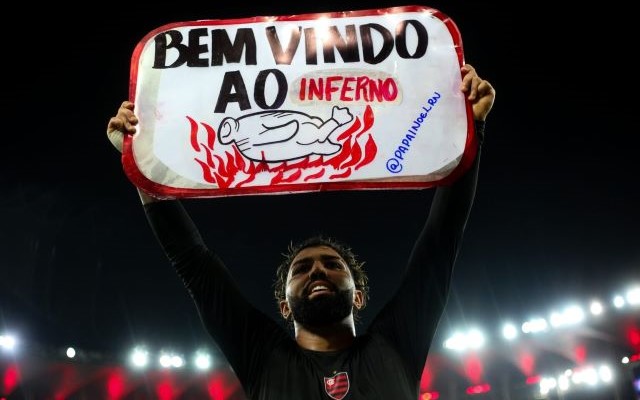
x: 285, y: 311
x: 358, y: 299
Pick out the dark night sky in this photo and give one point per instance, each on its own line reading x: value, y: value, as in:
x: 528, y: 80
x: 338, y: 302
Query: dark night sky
x: 556, y: 213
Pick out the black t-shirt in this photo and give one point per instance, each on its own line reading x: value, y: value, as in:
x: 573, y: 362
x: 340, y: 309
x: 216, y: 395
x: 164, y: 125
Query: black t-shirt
x: 385, y: 362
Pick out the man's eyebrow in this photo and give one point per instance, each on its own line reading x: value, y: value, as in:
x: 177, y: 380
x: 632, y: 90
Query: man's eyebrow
x: 324, y: 257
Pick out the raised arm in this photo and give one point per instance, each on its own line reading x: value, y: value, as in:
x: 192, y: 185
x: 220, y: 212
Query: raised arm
x: 410, y: 319
x: 239, y: 329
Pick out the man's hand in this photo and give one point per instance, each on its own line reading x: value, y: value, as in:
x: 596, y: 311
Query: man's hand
x: 479, y: 92
x: 123, y: 123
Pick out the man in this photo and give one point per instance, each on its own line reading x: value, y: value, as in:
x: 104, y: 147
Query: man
x: 320, y: 287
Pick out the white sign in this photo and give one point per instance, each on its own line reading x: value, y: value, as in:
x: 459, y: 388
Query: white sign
x: 347, y: 100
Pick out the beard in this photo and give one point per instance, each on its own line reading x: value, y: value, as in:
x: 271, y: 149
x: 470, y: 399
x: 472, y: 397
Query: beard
x: 322, y: 310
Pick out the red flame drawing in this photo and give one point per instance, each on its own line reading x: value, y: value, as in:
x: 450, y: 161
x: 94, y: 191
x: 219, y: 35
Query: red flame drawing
x: 232, y: 169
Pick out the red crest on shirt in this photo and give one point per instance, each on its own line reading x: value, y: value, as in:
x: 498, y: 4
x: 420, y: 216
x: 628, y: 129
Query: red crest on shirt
x: 337, y: 386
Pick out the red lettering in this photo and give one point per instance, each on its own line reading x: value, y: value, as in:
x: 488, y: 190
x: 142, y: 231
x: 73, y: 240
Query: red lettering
x: 315, y: 88
x: 375, y: 89
x: 348, y: 88
x: 303, y: 88
x: 390, y: 90
x: 361, y: 88
x: 330, y: 88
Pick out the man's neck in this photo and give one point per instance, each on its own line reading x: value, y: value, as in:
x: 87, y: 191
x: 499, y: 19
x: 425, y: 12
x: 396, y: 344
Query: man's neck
x: 332, y: 337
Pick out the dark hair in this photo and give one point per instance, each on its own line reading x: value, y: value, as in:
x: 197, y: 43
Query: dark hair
x: 357, y: 268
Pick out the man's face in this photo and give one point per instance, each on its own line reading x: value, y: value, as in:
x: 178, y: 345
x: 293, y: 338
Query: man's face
x: 320, y: 288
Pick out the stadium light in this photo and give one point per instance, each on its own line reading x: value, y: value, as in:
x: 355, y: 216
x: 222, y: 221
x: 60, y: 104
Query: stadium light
x: 618, y: 301
x: 71, y: 352
x: 456, y: 342
x: 571, y: 315
x: 596, y: 307
x: 165, y: 360
x: 633, y: 296
x: 509, y: 331
x: 177, y: 361
x: 170, y: 360
x: 535, y: 325
x: 474, y: 339
x: 8, y: 343
x: 139, y: 357
x: 202, y: 361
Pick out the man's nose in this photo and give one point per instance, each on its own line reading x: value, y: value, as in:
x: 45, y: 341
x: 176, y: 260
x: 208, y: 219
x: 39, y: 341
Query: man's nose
x: 317, y: 270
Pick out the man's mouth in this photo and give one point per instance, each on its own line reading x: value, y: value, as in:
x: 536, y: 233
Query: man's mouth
x: 317, y: 289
